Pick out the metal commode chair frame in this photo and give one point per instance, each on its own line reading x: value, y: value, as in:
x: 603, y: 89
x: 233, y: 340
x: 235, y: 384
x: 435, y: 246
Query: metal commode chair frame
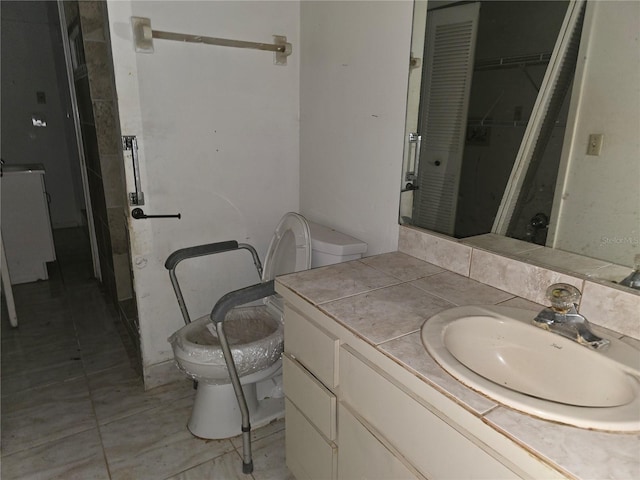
x: 217, y: 316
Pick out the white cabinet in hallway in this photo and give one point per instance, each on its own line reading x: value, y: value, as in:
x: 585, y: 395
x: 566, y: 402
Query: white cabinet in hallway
x: 26, y: 226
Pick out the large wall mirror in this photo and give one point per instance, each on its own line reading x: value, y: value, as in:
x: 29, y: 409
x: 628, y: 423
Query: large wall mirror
x: 524, y: 122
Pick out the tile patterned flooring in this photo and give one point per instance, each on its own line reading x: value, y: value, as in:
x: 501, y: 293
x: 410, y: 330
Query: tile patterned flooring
x: 74, y: 408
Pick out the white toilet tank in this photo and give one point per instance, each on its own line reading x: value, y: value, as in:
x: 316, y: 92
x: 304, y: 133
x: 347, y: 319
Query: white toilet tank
x: 330, y: 246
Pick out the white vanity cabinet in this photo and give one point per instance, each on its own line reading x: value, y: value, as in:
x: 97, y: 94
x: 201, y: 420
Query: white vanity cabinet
x: 311, y: 380
x: 352, y: 412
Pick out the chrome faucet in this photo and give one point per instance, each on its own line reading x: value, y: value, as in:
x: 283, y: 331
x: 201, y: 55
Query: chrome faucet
x: 633, y: 280
x: 563, y: 318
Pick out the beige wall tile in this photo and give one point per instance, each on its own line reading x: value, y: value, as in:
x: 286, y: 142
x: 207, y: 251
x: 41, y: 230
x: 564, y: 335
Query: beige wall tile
x: 613, y: 308
x: 112, y: 176
x: 99, y: 71
x: 500, y: 244
x: 122, y: 273
x: 92, y: 20
x: 563, y: 261
x: 118, y: 230
x: 106, y: 128
x: 437, y: 249
x: 612, y: 273
x: 521, y: 279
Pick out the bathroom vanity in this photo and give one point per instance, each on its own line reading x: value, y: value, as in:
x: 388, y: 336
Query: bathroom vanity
x: 365, y: 400
x: 26, y: 226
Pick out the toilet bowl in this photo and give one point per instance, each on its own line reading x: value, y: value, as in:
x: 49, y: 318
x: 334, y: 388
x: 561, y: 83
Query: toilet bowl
x: 256, y: 337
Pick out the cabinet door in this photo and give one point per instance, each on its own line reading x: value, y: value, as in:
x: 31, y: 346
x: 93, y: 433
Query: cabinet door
x: 308, y: 454
x: 26, y: 227
x: 431, y: 443
x: 362, y: 455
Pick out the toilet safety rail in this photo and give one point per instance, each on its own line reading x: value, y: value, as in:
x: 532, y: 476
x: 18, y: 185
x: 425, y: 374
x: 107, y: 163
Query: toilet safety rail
x: 199, y: 251
x: 218, y: 314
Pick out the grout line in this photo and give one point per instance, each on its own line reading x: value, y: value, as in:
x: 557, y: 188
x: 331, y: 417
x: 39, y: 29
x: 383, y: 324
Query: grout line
x: 512, y: 297
x: 93, y: 407
x: 468, y: 275
x: 43, y: 444
x: 99, y: 430
x: 7, y: 396
x: 395, y: 284
x: 186, y: 470
x: 417, y: 330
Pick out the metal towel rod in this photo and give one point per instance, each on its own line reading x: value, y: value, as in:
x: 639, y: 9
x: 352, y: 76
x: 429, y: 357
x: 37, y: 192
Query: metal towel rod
x: 143, y: 36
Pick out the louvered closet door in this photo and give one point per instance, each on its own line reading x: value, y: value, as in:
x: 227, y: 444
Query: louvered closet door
x: 448, y: 66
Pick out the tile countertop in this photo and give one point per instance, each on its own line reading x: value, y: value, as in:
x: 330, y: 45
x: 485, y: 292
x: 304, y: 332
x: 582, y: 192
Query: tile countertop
x: 364, y: 295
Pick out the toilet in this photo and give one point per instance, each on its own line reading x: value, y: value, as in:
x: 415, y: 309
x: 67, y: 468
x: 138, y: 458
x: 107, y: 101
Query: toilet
x: 255, y: 334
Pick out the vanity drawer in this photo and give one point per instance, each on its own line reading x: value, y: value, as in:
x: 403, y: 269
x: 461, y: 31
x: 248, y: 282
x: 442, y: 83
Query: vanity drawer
x: 311, y: 397
x: 312, y: 346
x: 435, y: 447
x: 308, y: 454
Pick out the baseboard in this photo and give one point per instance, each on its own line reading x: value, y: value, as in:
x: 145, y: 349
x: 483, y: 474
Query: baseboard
x: 161, y: 374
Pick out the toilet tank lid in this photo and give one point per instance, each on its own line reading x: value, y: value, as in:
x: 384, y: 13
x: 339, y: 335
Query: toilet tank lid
x: 328, y: 240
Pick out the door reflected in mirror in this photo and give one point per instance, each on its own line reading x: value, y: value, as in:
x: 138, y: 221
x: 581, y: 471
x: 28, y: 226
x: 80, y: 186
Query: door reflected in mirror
x: 498, y: 141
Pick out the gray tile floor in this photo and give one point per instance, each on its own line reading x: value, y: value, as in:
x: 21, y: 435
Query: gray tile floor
x: 74, y: 408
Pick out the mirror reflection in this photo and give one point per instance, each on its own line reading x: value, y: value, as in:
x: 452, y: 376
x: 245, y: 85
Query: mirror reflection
x: 496, y: 134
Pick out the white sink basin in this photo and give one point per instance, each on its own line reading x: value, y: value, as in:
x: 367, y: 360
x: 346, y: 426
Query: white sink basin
x: 497, y: 351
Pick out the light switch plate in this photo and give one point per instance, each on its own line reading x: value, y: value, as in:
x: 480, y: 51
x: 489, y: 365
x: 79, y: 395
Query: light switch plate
x: 595, y: 143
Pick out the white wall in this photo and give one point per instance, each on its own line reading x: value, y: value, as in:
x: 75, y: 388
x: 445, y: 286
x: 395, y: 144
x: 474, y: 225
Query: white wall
x: 353, y: 88
x: 219, y: 141
x: 600, y: 200
x: 31, y: 45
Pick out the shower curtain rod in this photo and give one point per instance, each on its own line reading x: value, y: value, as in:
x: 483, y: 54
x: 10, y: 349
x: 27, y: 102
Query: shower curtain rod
x: 143, y: 36
x: 513, y: 61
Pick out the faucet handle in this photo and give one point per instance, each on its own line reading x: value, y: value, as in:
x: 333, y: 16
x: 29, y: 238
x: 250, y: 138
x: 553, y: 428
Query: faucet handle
x: 563, y: 296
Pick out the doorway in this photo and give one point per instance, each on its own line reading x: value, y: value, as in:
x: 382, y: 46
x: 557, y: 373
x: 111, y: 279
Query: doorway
x: 513, y: 47
x: 37, y: 118
x: 75, y: 47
